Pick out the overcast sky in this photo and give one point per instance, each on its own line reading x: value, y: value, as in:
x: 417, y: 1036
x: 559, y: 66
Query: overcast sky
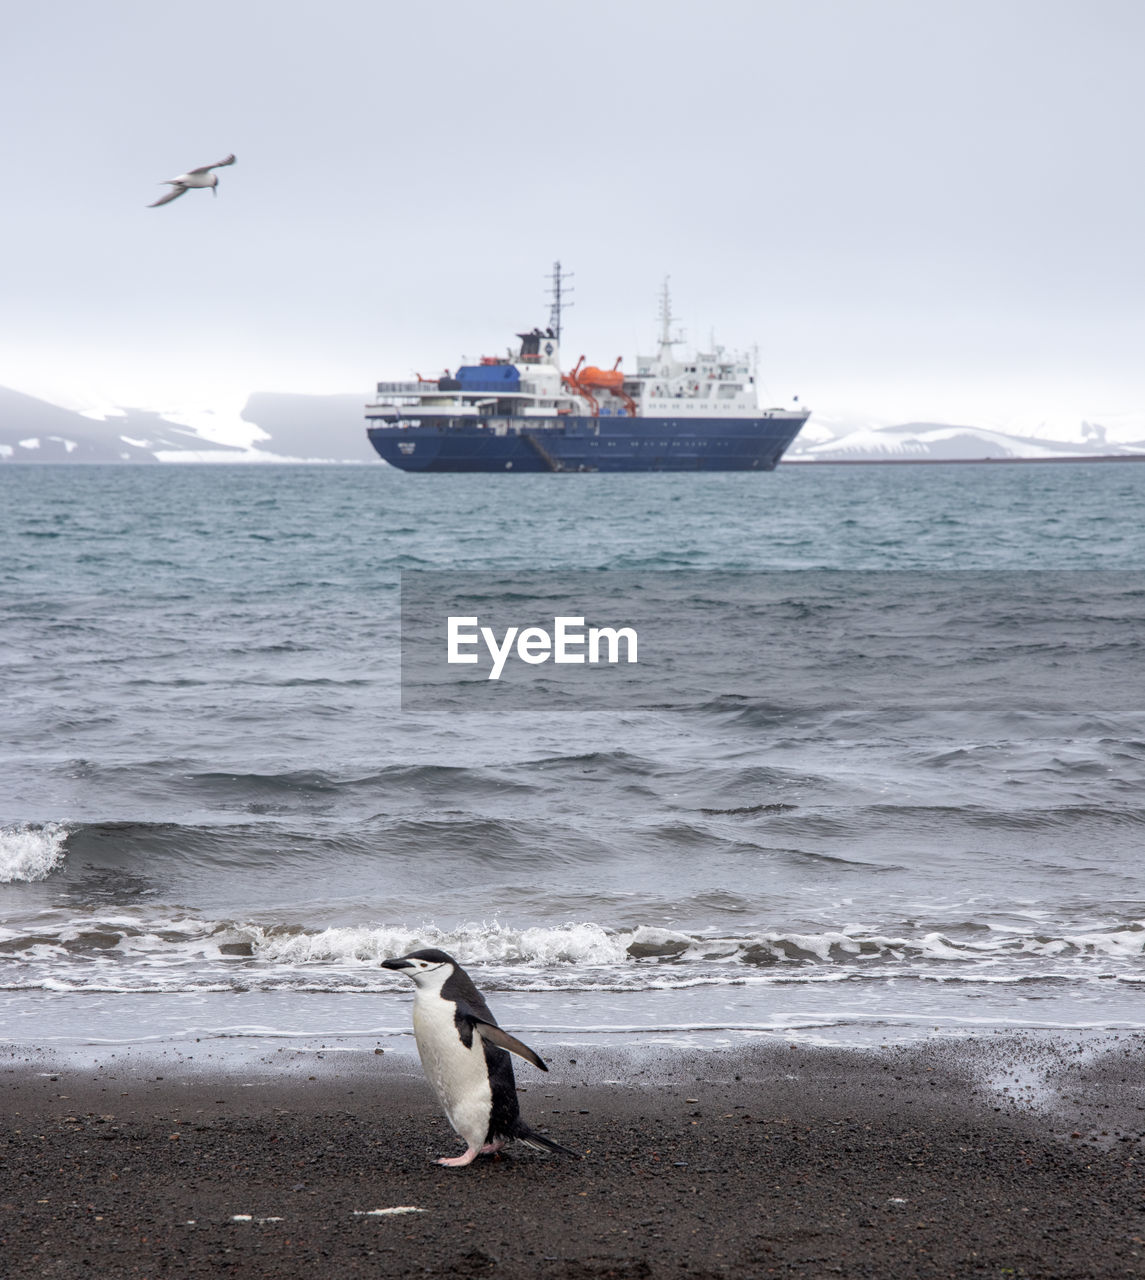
x: 919, y: 209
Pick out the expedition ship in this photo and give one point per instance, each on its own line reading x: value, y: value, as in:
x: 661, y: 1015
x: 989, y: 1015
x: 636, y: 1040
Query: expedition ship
x: 520, y: 412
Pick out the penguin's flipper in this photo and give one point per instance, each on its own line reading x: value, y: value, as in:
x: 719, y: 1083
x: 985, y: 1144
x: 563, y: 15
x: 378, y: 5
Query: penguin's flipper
x: 503, y: 1040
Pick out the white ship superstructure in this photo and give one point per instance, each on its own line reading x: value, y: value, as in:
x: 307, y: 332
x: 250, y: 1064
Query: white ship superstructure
x: 704, y: 384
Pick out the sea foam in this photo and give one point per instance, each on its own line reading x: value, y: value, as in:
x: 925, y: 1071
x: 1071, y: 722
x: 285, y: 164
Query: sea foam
x: 31, y: 851
x: 488, y: 942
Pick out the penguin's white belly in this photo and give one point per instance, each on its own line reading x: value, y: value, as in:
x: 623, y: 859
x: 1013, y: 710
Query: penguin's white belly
x: 457, y: 1075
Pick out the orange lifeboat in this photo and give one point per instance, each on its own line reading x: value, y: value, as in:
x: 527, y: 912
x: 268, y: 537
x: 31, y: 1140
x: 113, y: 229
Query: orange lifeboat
x: 605, y: 379
x: 611, y: 380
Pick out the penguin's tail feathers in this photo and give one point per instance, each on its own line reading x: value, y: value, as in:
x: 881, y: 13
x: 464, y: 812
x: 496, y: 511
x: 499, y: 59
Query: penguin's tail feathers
x: 531, y: 1138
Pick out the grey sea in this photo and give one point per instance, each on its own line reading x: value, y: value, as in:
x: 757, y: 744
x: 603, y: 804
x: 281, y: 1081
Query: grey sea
x: 891, y: 785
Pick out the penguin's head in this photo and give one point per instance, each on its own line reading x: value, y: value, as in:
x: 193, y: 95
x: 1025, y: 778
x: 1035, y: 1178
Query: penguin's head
x: 428, y: 968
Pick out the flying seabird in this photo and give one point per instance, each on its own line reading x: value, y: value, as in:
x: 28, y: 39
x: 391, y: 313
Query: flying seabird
x: 196, y: 178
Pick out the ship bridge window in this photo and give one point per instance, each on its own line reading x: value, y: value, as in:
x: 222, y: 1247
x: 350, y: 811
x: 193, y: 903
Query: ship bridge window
x: 728, y: 390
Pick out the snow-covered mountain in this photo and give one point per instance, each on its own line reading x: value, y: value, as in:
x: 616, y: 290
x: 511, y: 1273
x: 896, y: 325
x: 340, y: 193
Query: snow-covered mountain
x: 271, y: 427
x: 331, y: 428
x: 33, y: 430
x: 824, y: 440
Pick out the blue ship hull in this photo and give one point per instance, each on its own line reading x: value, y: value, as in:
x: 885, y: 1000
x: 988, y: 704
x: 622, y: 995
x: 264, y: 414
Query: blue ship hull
x: 589, y: 444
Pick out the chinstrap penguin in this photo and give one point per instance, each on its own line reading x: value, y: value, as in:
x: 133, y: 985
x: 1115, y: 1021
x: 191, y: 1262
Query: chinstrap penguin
x: 463, y: 1052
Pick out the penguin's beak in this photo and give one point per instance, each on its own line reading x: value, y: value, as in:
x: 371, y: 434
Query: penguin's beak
x: 396, y: 964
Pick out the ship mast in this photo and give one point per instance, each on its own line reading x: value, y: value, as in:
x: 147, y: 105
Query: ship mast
x: 666, y: 340
x: 558, y: 294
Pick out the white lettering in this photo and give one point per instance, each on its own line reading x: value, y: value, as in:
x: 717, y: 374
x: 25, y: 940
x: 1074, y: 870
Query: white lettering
x: 612, y: 636
x: 533, y: 645
x: 564, y: 639
x: 456, y: 638
x: 499, y: 655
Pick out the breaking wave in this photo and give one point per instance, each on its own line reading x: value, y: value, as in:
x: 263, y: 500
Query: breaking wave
x: 31, y: 851
x: 186, y: 953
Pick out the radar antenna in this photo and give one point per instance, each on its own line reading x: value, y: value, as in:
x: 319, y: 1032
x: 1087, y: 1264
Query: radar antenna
x: 558, y: 293
x: 667, y: 342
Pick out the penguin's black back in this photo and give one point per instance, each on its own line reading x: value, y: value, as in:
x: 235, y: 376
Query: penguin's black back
x: 459, y: 988
x: 505, y: 1113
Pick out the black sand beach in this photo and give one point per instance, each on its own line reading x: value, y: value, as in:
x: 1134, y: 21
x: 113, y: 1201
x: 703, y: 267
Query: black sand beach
x: 932, y: 1161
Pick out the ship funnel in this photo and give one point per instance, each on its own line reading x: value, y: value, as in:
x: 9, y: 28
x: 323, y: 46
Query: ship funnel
x: 541, y: 346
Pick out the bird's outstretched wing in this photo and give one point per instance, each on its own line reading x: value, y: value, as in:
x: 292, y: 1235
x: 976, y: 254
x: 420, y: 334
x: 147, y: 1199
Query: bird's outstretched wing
x: 219, y: 164
x: 473, y: 1015
x: 173, y: 194
x: 503, y: 1040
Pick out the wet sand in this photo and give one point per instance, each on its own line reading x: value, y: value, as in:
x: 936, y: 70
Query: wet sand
x: 1001, y: 1158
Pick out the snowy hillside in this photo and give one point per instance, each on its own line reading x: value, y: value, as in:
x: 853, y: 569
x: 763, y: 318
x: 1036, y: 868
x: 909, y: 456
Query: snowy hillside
x: 824, y: 440
x: 269, y: 428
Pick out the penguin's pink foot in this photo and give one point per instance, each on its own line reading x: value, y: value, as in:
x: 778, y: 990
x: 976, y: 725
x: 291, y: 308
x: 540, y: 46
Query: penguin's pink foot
x: 458, y: 1162
x: 491, y: 1148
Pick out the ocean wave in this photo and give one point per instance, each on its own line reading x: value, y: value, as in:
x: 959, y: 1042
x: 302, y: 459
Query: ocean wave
x: 994, y: 818
x: 186, y: 941
x: 605, y: 764
x: 31, y: 851
x: 179, y: 775
x: 488, y: 943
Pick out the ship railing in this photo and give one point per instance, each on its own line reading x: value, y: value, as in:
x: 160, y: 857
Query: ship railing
x: 407, y: 388
x: 489, y: 387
